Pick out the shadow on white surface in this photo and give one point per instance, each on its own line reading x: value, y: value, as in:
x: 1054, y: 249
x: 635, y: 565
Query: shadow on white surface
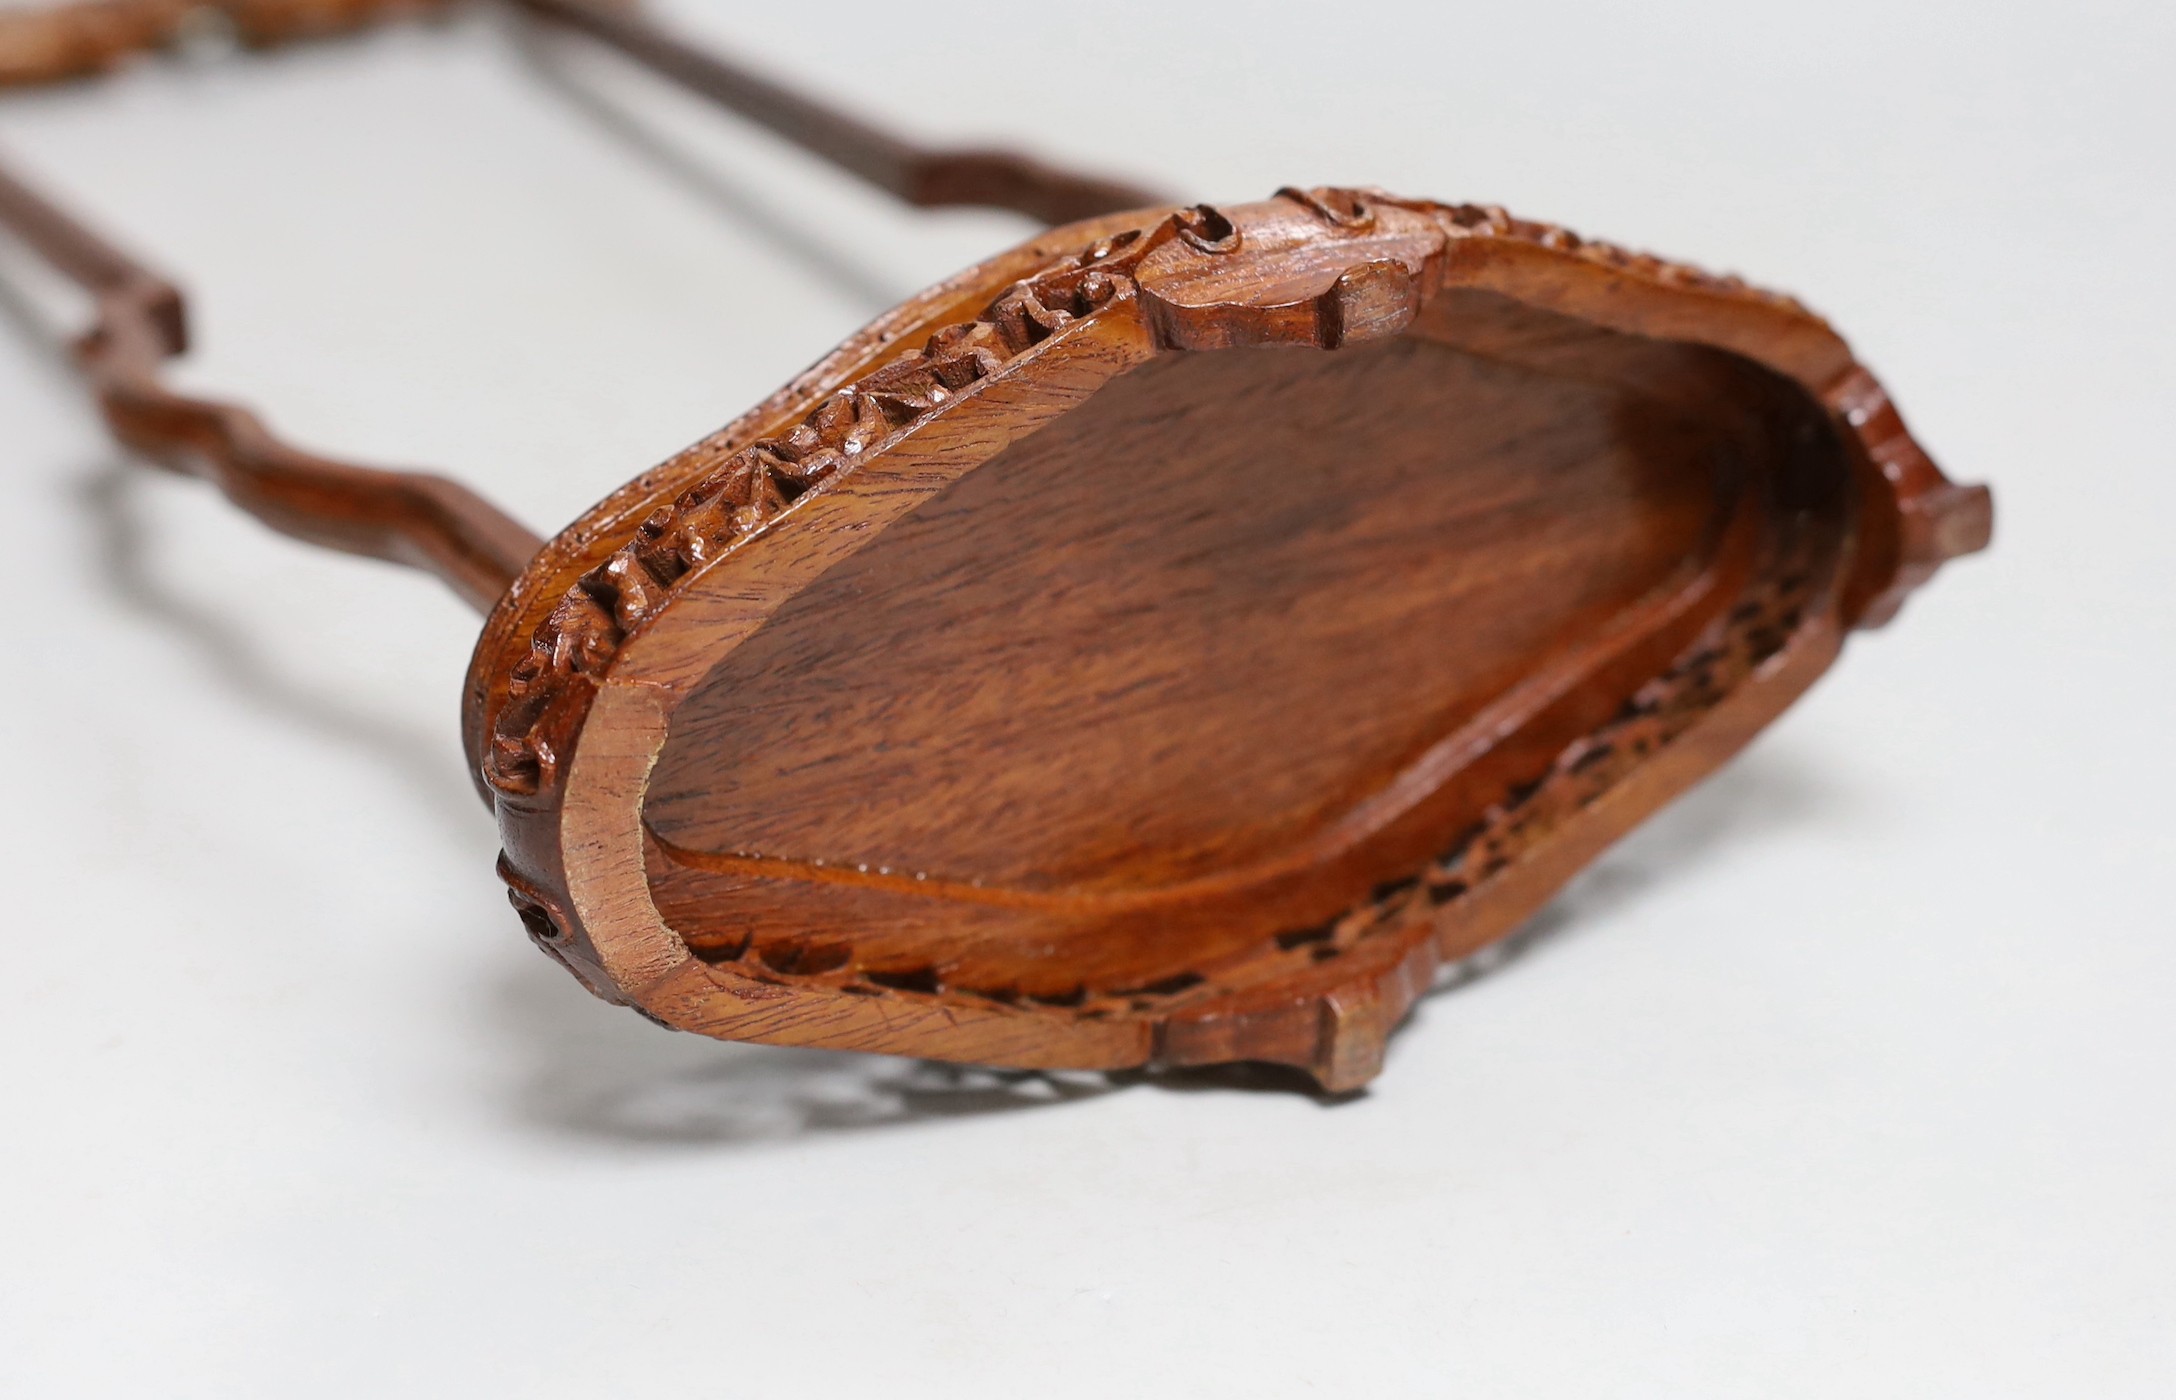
x: 603, y: 1074
x: 112, y: 494
x: 111, y: 497
x: 598, y: 1073
x: 1752, y: 795
x: 570, y: 77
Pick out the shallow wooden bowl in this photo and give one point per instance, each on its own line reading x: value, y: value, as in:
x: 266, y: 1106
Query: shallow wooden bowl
x: 1168, y: 641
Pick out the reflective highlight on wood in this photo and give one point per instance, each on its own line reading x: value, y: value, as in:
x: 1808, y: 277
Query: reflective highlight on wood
x: 1168, y: 642
x: 1217, y: 621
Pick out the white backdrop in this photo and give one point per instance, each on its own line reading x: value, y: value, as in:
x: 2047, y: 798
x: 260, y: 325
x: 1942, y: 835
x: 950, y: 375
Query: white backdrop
x: 1854, y: 1074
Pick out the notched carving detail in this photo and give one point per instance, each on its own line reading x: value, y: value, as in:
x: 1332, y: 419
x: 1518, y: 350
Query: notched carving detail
x: 1917, y: 519
x: 1340, y: 208
x: 1373, y: 301
x: 578, y: 640
x: 551, y: 929
x: 1731, y: 652
x: 1727, y: 654
x: 754, y: 486
x: 1493, y: 221
x: 1326, y: 991
x: 1206, y: 229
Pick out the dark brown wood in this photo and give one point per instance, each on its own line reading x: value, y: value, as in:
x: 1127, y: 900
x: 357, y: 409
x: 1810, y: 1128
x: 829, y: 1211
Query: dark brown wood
x: 415, y: 518
x: 412, y: 518
x: 919, y: 175
x: 73, y: 40
x: 1118, y: 678
x: 1165, y: 643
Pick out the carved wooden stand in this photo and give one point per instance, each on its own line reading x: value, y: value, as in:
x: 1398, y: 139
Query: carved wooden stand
x: 1164, y: 643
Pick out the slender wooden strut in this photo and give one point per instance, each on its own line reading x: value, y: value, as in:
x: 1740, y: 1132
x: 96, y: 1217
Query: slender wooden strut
x: 921, y: 176
x: 414, y: 518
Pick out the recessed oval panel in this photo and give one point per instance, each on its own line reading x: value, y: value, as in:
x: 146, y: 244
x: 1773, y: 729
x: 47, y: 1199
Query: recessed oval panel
x: 1184, y: 631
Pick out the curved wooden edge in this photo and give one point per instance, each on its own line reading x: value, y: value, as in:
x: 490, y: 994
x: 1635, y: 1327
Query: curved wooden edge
x: 1339, y: 1034
x: 1914, y: 519
x: 591, y: 541
x: 571, y: 708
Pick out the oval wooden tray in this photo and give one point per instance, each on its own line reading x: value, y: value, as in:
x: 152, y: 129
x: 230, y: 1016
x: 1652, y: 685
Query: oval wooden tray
x: 1170, y: 640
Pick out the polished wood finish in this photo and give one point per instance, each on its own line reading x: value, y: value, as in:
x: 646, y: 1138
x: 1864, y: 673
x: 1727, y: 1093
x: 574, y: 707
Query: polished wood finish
x: 1218, y: 620
x: 1168, y: 642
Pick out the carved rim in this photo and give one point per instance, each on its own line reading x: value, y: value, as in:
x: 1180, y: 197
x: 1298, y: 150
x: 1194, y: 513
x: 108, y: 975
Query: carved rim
x: 531, y: 696
x: 719, y: 503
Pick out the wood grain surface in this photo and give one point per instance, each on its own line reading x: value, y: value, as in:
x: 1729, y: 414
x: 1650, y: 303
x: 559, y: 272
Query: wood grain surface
x: 1214, y: 621
x: 1165, y: 643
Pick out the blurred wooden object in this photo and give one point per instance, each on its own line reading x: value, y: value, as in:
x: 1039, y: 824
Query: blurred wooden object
x: 413, y: 518
x: 47, y: 44
x: 1165, y: 643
